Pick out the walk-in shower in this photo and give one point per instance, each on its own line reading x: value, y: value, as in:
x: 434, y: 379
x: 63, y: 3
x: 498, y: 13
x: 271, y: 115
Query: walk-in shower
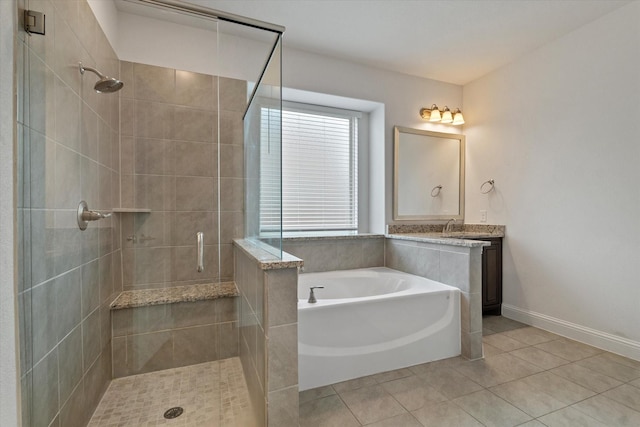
x: 169, y: 154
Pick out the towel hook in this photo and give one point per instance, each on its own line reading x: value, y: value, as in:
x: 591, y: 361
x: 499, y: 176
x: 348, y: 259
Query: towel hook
x: 490, y: 183
x: 435, y: 191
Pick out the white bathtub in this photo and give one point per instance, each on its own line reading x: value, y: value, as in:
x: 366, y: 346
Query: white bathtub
x: 372, y: 320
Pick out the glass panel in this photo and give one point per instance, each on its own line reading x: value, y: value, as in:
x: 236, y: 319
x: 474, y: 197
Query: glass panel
x: 164, y: 156
x: 263, y: 158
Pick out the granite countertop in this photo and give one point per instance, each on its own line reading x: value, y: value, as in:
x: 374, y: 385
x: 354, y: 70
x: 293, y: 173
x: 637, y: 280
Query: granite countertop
x: 461, y: 235
x: 267, y: 260
x: 439, y: 239
x: 147, y: 297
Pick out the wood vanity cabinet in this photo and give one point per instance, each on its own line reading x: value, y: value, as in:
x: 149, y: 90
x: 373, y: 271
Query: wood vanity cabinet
x: 492, y: 276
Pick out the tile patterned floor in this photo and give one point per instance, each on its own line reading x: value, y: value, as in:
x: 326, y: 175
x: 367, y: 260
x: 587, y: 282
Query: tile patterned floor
x: 213, y: 394
x: 529, y: 377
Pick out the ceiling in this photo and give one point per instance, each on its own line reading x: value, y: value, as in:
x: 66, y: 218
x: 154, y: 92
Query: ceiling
x: 455, y: 41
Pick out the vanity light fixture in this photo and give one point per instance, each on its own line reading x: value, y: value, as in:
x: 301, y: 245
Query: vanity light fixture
x: 434, y: 114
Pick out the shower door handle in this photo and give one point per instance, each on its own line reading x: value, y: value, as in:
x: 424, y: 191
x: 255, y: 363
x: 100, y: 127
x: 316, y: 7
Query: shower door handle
x: 200, y: 243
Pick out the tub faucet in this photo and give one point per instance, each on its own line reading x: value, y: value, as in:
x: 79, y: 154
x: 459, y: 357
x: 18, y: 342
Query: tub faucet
x: 447, y: 227
x: 312, y: 297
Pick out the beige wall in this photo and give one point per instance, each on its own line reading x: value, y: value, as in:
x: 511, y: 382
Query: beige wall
x: 566, y: 184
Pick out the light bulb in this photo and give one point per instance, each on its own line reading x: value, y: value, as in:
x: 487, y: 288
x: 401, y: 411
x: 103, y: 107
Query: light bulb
x: 435, y: 114
x: 446, y: 115
x: 458, y: 118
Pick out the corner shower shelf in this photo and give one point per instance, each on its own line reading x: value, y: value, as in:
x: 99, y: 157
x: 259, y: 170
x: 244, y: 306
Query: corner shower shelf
x: 130, y: 210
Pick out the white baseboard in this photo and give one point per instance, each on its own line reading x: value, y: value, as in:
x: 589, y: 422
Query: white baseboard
x: 612, y: 343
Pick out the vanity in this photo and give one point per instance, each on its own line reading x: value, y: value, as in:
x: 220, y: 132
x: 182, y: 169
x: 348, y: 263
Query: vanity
x: 429, y: 176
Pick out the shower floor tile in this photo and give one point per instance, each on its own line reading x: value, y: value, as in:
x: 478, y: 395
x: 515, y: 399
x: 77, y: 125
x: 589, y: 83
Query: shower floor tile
x: 211, y: 394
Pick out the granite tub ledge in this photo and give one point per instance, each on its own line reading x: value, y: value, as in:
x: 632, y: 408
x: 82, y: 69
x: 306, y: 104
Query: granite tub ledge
x: 267, y: 260
x: 187, y: 293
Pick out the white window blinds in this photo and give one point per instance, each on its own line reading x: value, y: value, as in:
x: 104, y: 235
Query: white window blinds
x: 319, y: 171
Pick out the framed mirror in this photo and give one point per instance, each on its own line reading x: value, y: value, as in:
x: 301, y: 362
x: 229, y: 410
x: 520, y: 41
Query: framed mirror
x: 428, y: 175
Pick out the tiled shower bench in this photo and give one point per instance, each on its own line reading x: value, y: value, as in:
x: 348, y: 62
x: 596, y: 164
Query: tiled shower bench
x: 156, y: 329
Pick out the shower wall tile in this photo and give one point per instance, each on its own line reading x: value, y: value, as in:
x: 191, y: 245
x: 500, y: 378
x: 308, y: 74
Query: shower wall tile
x: 74, y: 412
x: 74, y: 145
x: 282, y: 298
x: 155, y: 192
x: 227, y: 340
x: 185, y: 225
x: 195, y: 90
x: 67, y: 241
x: 67, y: 178
x: 233, y: 94
x: 126, y: 75
x: 87, y: 31
x: 43, y: 319
x: 45, y: 390
x: 127, y: 109
x: 226, y: 262
x: 282, y: 409
x: 231, y: 194
x: 69, y: 10
x: 153, y: 83
x: 42, y: 172
x: 195, y: 345
x: 41, y: 97
x: 68, y: 296
x: 67, y: 105
x: 231, y: 226
x: 150, y: 352
x: 190, y: 124
x: 127, y: 160
x: 184, y: 264
x: 88, y: 132
x: 283, y: 357
x: 68, y: 49
x: 152, y: 120
x: 231, y: 127
x: 195, y: 194
x: 97, y: 378
x: 152, y: 156
x: 91, y: 344
x: 195, y: 158
x: 70, y: 351
x: 89, y: 185
x: 231, y: 161
x: 105, y: 144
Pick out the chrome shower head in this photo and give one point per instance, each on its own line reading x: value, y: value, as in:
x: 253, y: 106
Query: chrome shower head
x: 106, y: 84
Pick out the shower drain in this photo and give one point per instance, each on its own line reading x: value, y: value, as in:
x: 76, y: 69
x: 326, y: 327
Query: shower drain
x: 173, y: 413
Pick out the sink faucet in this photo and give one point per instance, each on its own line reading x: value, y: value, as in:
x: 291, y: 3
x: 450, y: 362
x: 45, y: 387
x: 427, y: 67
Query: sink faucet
x: 447, y: 227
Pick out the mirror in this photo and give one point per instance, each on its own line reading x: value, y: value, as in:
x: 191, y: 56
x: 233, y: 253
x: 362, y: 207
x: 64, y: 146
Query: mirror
x: 428, y: 179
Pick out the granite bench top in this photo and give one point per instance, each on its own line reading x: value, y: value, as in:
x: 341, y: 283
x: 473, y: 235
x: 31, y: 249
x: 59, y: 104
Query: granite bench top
x: 147, y: 297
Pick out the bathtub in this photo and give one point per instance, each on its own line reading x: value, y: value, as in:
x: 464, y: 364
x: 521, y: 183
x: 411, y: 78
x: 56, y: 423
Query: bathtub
x: 372, y: 320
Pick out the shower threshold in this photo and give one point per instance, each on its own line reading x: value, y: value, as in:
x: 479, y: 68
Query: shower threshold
x: 210, y: 394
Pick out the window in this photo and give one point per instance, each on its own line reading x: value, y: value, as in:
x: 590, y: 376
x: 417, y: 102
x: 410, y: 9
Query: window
x: 319, y: 171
